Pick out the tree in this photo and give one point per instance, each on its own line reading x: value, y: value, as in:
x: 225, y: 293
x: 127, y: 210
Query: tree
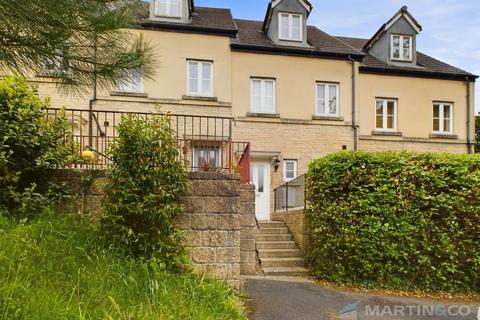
x: 477, y: 133
x: 84, y: 42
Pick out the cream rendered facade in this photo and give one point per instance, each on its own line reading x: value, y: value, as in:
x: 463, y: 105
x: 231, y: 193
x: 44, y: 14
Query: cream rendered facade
x: 293, y: 132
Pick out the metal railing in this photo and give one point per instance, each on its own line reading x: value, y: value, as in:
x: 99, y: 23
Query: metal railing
x: 205, y: 142
x: 290, y: 194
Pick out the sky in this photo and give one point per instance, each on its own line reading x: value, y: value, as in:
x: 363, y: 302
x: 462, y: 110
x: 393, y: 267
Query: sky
x: 451, y: 28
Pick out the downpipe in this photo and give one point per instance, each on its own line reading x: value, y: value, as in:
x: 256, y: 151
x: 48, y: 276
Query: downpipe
x: 354, y: 105
x: 469, y: 118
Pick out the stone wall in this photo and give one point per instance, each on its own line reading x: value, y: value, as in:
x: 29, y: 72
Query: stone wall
x: 297, y: 226
x: 218, y: 219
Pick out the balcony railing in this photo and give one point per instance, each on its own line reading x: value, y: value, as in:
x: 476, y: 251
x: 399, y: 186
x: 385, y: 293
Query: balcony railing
x: 205, y: 142
x: 290, y: 195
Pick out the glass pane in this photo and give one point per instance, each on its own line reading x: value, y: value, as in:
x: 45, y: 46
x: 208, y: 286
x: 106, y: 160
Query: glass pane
x: 175, y: 8
x: 261, y: 182
x: 436, y: 124
x: 321, y: 99
x: 446, y: 125
x: 332, y: 99
x: 206, y: 78
x: 206, y: 86
x: 406, y: 48
x: 161, y: 7
x: 391, y: 108
x: 379, y: 123
x: 284, y: 26
x: 379, y: 113
x: 290, y: 166
x: 390, y: 122
x: 193, y: 77
x: 296, y: 25
x: 268, y: 96
x: 436, y: 111
x: 256, y: 95
x: 446, y: 111
x: 137, y: 81
x: 396, y: 47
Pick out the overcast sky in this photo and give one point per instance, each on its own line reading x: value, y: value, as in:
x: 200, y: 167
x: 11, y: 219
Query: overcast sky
x: 451, y: 28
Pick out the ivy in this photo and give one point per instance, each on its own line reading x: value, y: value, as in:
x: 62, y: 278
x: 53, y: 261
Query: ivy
x: 396, y: 220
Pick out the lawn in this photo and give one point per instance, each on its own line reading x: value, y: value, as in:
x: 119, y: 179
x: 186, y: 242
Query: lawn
x: 57, y: 268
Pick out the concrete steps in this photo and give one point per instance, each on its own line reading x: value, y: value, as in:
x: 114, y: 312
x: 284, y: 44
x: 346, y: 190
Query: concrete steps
x: 278, y: 253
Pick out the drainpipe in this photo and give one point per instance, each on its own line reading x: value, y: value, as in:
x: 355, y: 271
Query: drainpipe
x: 469, y: 119
x: 354, y: 107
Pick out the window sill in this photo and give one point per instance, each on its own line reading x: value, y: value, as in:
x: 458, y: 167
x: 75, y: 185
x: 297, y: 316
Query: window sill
x: 263, y: 115
x: 129, y: 94
x: 444, y: 136
x: 328, y: 118
x: 200, y: 98
x: 387, y: 133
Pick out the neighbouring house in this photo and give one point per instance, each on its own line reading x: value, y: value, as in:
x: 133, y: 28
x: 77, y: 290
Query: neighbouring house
x: 290, y: 91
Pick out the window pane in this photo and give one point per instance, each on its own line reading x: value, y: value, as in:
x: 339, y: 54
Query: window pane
x: 446, y: 111
x: 321, y: 99
x: 296, y: 25
x: 256, y: 95
x: 406, y: 47
x: 390, y: 115
x: 446, y: 125
x: 436, y: 124
x: 436, y: 111
x: 161, y: 7
x: 332, y: 99
x: 379, y: 113
x: 206, y: 78
x: 390, y: 122
x: 261, y: 182
x: 175, y: 8
x: 396, y: 47
x: 447, y: 118
x: 284, y: 26
x: 268, y: 99
x: 193, y: 77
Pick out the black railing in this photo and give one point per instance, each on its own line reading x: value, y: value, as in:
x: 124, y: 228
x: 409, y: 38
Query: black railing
x: 290, y: 195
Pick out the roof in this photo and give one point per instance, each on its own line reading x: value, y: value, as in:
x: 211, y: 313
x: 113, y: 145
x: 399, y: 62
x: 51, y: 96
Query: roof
x: 403, y: 12
x: 251, y: 38
x: 204, y: 20
x: 426, y: 65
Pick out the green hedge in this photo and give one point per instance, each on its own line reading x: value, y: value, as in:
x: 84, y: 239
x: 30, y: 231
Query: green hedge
x: 396, y: 220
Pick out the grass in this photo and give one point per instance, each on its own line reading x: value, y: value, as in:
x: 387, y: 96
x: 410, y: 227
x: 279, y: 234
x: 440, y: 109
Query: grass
x: 56, y: 268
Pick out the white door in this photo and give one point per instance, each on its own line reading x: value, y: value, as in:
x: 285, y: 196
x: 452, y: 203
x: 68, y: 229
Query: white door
x: 261, y: 180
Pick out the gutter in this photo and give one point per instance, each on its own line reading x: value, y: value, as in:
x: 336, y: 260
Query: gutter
x: 188, y: 28
x: 469, y: 118
x: 354, y: 106
x: 417, y: 73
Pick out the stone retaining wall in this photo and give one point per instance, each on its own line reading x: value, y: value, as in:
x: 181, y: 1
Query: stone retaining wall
x: 295, y: 220
x: 218, y: 219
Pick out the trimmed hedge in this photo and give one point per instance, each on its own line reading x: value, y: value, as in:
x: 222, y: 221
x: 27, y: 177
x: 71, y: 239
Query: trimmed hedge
x: 396, y: 220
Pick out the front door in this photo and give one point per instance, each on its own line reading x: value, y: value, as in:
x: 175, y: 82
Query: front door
x: 261, y: 179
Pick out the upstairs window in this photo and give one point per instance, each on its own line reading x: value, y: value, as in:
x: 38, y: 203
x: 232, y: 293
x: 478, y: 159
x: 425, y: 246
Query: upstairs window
x: 442, y: 118
x: 167, y: 8
x: 57, y: 63
x: 290, y: 26
x: 200, y: 78
x: 132, y: 82
x: 263, y: 96
x: 401, y: 48
x: 386, y: 115
x: 327, y: 99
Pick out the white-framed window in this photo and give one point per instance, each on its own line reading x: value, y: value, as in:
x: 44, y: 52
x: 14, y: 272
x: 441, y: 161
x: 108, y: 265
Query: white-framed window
x: 168, y: 8
x: 199, y: 78
x: 132, y: 82
x: 326, y: 99
x: 386, y: 115
x: 442, y: 117
x: 290, y: 26
x: 57, y: 63
x: 206, y: 158
x: 289, y: 170
x: 262, y: 95
x: 401, y: 47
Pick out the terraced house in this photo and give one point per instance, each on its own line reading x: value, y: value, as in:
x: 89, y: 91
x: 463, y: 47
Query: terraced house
x: 295, y: 92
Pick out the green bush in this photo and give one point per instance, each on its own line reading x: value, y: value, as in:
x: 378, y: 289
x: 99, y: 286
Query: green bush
x: 29, y: 145
x: 396, y: 220
x: 142, y: 194
x: 58, y: 268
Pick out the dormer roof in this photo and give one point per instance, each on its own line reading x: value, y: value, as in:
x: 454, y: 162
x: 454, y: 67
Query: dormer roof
x: 273, y: 3
x: 403, y: 12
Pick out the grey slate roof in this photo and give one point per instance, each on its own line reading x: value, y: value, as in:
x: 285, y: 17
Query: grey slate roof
x: 426, y: 65
x: 250, y: 34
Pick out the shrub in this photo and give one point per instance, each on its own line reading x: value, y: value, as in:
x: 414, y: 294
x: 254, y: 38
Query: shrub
x: 29, y: 145
x: 396, y: 220
x: 142, y: 194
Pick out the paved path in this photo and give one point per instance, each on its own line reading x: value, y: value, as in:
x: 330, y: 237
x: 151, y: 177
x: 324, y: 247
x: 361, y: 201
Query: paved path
x: 299, y: 299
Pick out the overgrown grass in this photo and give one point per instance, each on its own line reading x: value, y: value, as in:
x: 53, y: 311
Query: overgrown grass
x: 56, y: 268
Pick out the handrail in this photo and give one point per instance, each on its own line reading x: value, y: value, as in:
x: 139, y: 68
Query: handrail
x: 291, y: 194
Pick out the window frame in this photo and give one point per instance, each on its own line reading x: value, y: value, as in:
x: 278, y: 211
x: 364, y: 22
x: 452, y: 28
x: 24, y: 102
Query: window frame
x: 295, y: 169
x: 441, y: 117
x: 200, y: 92
x: 385, y: 115
x: 262, y: 95
x: 401, y: 58
x: 290, y: 26
x: 127, y: 85
x: 169, y: 10
x: 327, y: 99
x: 206, y: 147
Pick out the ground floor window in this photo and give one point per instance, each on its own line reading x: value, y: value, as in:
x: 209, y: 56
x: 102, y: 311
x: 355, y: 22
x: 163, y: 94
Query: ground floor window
x: 442, y: 118
x: 386, y: 115
x: 206, y: 158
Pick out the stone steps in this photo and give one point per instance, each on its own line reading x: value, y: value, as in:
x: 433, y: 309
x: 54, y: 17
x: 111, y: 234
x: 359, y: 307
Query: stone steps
x: 278, y: 253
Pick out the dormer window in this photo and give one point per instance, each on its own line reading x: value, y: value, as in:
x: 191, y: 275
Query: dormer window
x: 290, y: 26
x: 401, y: 48
x: 168, y: 8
